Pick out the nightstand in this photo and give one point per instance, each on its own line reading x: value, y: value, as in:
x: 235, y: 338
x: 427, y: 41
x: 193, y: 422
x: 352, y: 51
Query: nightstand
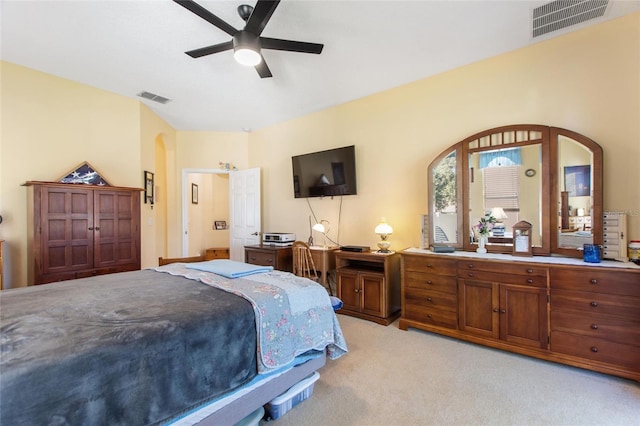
x: 369, y: 285
x: 281, y: 258
x: 216, y: 253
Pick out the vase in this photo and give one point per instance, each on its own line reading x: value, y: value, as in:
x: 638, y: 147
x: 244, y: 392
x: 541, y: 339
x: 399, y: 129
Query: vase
x: 482, y: 241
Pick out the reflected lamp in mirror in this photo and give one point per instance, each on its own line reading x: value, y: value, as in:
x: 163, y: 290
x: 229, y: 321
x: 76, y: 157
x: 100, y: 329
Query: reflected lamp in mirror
x: 322, y: 227
x: 498, y: 226
x: 383, y: 230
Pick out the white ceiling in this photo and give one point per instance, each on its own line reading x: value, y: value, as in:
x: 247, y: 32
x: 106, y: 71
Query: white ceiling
x: 130, y: 46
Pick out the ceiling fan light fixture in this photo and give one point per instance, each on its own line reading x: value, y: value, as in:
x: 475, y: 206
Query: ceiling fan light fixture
x: 246, y: 49
x: 246, y: 56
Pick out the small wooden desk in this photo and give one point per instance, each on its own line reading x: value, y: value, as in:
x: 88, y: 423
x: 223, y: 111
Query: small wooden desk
x: 325, y: 260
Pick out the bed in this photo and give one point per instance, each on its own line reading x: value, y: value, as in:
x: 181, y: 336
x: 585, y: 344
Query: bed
x: 166, y: 345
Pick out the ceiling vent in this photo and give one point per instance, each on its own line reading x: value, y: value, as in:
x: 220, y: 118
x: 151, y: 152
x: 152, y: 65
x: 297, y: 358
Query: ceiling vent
x: 153, y: 97
x: 561, y: 14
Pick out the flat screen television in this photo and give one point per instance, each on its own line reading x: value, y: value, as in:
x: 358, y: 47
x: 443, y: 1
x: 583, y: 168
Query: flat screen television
x: 325, y: 173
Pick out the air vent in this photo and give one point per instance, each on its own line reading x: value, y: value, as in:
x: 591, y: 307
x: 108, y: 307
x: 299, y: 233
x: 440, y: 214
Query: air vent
x: 153, y: 97
x: 561, y: 14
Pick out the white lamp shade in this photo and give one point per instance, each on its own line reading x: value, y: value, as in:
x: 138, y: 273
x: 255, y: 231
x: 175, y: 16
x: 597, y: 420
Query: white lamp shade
x: 384, y: 228
x: 498, y: 213
x: 319, y: 227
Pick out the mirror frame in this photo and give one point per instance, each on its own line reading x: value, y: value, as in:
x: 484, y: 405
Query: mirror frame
x: 522, y: 135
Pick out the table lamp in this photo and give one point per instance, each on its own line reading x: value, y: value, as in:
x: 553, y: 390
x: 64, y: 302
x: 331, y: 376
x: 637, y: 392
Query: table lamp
x: 384, y: 230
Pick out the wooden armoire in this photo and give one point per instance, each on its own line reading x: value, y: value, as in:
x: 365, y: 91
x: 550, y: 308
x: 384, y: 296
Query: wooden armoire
x: 77, y: 231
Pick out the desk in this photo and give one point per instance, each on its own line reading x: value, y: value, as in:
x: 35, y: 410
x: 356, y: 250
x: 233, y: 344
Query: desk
x: 325, y: 260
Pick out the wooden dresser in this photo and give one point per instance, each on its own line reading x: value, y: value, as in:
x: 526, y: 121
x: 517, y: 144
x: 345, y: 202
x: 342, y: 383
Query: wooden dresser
x: 561, y: 310
x: 77, y: 231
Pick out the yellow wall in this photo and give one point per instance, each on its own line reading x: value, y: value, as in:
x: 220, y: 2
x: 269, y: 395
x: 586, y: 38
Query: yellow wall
x: 51, y: 125
x: 587, y: 81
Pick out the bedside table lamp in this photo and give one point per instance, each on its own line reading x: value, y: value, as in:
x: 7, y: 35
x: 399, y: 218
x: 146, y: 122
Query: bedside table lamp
x: 384, y: 230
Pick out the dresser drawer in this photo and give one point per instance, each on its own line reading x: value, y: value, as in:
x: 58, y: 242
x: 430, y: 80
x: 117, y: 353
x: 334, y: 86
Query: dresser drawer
x: 430, y: 264
x: 432, y: 299
x: 595, y: 349
x: 596, y: 303
x: 430, y: 316
x: 511, y: 268
x: 423, y: 281
x: 499, y: 277
x: 260, y: 258
x: 597, y: 280
x: 599, y: 326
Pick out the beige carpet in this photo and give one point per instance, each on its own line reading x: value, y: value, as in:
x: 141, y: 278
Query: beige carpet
x: 395, y: 377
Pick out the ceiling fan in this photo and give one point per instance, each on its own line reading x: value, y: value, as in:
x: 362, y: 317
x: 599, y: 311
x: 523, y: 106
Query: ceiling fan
x: 247, y: 43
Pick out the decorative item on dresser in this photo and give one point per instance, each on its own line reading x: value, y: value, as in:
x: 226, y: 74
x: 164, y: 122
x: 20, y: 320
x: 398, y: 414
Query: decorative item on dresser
x: 557, y: 309
x: 369, y: 285
x: 615, y: 236
x: 76, y: 231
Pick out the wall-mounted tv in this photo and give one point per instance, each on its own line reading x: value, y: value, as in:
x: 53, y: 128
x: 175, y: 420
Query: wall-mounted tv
x: 325, y: 173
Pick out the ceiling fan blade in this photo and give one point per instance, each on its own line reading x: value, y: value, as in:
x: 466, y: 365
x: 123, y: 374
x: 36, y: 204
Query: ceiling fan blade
x: 260, y: 16
x: 290, y: 45
x: 263, y: 69
x: 209, y: 50
x: 207, y: 16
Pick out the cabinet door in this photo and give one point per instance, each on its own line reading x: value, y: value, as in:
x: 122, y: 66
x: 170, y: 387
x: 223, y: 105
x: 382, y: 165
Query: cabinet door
x: 372, y: 287
x: 349, y: 290
x: 117, y: 234
x: 478, y: 307
x: 523, y: 316
x: 66, y: 229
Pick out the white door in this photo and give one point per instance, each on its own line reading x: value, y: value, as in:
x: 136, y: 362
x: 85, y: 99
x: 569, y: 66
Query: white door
x: 245, y: 215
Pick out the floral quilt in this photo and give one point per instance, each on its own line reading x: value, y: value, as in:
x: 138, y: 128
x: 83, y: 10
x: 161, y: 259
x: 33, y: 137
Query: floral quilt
x: 293, y: 314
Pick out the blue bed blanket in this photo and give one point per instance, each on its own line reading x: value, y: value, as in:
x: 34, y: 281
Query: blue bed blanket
x: 229, y: 268
x: 293, y: 314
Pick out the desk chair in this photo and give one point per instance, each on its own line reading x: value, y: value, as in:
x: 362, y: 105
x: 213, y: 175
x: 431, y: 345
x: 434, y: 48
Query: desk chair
x: 303, y: 264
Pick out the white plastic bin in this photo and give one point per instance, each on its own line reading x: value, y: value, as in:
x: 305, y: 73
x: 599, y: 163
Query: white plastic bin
x: 302, y: 390
x: 252, y: 419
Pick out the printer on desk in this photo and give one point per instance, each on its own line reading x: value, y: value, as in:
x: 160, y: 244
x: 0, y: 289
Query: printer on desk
x: 278, y: 238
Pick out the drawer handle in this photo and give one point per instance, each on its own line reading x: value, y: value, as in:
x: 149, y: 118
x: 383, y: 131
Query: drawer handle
x: 529, y: 271
x: 503, y: 311
x: 530, y: 281
x: 594, y: 326
x: 429, y: 282
x: 594, y: 304
x: 470, y: 274
x: 429, y: 316
x: 594, y: 349
x: 429, y: 265
x: 429, y: 299
x: 594, y: 281
x: 495, y: 309
x: 470, y: 265
x: 252, y: 258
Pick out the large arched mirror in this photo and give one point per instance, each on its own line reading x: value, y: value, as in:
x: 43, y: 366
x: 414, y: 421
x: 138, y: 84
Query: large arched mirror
x: 514, y: 173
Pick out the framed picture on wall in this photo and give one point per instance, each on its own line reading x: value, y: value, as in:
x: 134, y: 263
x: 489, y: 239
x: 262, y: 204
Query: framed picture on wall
x: 220, y: 224
x: 577, y: 180
x: 194, y: 193
x: 148, y: 187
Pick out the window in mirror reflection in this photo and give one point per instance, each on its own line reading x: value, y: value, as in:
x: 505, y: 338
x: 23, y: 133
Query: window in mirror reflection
x: 444, y: 193
x: 499, y: 186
